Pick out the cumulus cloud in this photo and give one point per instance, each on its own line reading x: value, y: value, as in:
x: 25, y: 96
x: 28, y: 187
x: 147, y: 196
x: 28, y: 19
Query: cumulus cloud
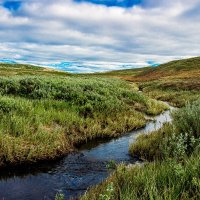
x: 99, y: 36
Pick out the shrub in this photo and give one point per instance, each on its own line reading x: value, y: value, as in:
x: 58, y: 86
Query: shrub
x: 59, y: 196
x: 175, y: 140
x: 44, y: 117
x: 187, y: 119
x: 86, y: 110
x: 7, y: 104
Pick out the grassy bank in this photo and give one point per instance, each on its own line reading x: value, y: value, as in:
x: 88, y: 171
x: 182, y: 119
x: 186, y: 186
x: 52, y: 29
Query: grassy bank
x: 174, y: 173
x: 173, y: 139
x: 43, y: 117
x: 167, y: 180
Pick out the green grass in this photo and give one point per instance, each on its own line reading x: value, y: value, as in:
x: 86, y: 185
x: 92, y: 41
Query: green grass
x: 182, y: 133
x: 24, y: 69
x: 43, y: 117
x: 176, y: 92
x: 168, y: 180
x: 176, y: 82
x: 174, y: 173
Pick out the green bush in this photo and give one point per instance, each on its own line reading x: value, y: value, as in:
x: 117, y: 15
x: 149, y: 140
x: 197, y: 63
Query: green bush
x: 101, y: 93
x: 7, y: 104
x: 187, y: 119
x: 86, y: 111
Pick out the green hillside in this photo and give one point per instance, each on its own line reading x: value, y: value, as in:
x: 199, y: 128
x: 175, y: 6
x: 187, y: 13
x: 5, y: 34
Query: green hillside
x: 163, y: 70
x: 24, y: 69
x: 171, y: 169
x: 176, y: 82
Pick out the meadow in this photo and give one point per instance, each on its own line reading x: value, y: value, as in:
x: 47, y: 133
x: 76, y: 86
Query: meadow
x: 174, y: 170
x: 176, y: 82
x: 46, y: 116
x: 171, y: 161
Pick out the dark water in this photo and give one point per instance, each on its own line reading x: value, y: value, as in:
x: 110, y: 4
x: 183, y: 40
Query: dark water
x: 75, y: 173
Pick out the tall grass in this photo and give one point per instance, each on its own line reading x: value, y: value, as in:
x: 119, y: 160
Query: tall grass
x: 174, y: 173
x: 187, y: 119
x: 181, y: 137
x: 177, y: 96
x: 45, y: 117
x: 168, y: 180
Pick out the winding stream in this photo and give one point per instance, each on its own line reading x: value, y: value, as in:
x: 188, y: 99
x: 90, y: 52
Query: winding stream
x: 76, y: 172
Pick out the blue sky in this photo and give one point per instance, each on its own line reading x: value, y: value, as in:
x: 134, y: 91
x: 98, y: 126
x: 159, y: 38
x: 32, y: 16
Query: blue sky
x: 98, y: 35
x: 109, y: 3
x: 12, y: 5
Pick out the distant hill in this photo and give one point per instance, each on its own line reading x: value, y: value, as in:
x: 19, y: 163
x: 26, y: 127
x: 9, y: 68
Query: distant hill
x: 186, y: 68
x: 176, y: 82
x: 179, y: 68
x: 10, y: 69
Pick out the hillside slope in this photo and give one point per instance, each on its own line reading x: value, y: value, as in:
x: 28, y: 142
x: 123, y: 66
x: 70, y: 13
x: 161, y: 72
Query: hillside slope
x: 185, y: 68
x: 176, y: 82
x: 24, y: 69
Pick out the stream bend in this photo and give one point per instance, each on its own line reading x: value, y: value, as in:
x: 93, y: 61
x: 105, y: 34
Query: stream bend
x: 76, y: 172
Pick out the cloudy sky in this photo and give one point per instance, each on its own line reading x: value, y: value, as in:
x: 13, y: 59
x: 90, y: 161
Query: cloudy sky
x: 98, y: 35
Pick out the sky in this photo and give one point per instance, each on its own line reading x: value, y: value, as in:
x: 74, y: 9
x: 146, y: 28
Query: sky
x: 98, y: 35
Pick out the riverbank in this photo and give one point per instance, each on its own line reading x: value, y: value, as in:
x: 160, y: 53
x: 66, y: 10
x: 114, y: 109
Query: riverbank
x: 73, y: 174
x: 174, y: 171
x: 45, y: 117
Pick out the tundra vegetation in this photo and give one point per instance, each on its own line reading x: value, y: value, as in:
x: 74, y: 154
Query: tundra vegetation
x: 174, y: 170
x: 171, y: 169
x: 176, y: 82
x: 45, y: 114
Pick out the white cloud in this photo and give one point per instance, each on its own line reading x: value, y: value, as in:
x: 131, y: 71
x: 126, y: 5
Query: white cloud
x: 55, y: 31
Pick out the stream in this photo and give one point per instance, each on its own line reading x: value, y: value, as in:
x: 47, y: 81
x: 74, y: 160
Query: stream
x: 73, y: 174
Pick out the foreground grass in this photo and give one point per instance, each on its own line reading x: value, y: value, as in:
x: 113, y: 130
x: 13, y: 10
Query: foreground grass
x: 45, y: 116
x: 174, y: 173
x: 167, y: 180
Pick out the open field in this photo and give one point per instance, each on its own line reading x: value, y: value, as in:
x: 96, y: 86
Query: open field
x: 47, y: 115
x: 173, y: 151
